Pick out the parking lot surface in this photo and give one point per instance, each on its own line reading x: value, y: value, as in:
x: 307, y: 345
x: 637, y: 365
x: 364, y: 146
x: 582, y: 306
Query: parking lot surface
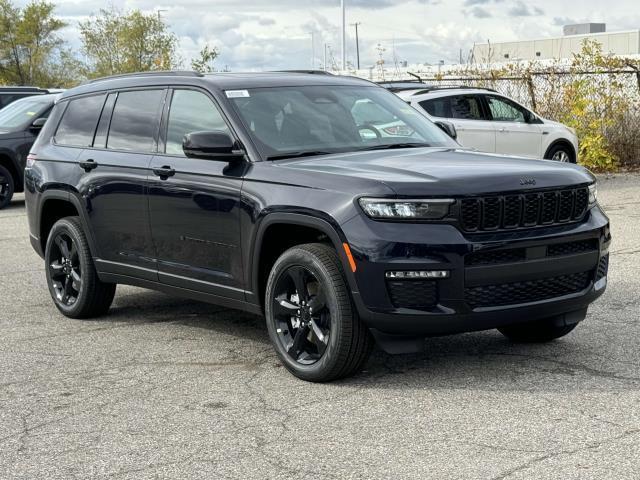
x: 169, y: 388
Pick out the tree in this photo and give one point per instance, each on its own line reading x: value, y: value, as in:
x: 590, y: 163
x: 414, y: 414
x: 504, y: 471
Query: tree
x: 204, y: 62
x: 117, y: 42
x: 31, y: 52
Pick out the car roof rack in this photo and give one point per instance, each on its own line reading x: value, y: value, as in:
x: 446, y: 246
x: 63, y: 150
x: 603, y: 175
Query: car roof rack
x: 309, y: 72
x: 422, y: 87
x: 153, y: 73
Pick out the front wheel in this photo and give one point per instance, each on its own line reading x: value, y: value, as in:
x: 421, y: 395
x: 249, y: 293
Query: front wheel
x: 310, y: 317
x: 545, y: 330
x: 7, y: 187
x: 72, y: 278
x: 561, y: 153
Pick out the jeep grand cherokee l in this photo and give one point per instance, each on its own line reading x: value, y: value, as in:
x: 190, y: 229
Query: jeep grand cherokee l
x: 262, y: 192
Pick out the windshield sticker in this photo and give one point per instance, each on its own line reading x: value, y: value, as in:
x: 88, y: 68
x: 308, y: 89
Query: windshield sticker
x: 31, y: 114
x: 237, y: 93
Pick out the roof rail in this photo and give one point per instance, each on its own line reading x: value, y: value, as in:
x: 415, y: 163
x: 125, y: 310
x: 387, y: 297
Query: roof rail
x: 19, y: 88
x: 153, y: 73
x: 413, y: 85
x: 310, y: 72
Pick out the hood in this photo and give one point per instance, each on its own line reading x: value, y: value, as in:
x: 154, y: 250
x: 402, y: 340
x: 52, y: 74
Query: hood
x: 441, y: 171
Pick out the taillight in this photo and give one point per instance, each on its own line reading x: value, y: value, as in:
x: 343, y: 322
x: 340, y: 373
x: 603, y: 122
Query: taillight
x: 31, y: 160
x: 401, y: 130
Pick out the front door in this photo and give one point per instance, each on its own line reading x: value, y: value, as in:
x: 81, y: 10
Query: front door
x: 514, y: 134
x: 195, y: 207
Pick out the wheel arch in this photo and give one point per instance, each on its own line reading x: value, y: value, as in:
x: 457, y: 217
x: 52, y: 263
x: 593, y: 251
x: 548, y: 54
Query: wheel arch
x: 563, y: 142
x: 261, y: 257
x: 57, y: 204
x: 7, y: 161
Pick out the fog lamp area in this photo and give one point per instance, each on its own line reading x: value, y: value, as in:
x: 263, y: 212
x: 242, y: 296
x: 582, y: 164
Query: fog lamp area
x: 416, y: 274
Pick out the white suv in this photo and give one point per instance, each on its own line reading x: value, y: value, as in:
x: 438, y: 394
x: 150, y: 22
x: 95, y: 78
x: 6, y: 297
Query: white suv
x: 490, y: 122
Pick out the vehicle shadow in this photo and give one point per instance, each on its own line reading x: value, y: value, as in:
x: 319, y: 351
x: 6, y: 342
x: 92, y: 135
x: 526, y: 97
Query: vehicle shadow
x: 483, y: 360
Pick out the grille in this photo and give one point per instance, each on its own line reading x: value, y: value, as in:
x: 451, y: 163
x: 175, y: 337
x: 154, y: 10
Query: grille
x: 603, y: 267
x: 571, y: 248
x: 413, y: 293
x: 526, y: 210
x: 492, y: 258
x: 524, y: 292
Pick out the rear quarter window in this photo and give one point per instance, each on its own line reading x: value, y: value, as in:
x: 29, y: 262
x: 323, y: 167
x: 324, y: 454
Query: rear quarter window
x: 79, y: 121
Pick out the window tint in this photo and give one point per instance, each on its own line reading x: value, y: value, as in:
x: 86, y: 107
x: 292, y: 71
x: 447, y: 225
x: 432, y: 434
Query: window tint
x: 459, y: 106
x: 79, y: 121
x: 134, y: 123
x: 191, y: 111
x: 503, y: 110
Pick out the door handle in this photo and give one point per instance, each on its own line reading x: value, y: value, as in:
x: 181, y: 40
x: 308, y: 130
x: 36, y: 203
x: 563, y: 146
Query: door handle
x: 88, y: 165
x: 164, y: 172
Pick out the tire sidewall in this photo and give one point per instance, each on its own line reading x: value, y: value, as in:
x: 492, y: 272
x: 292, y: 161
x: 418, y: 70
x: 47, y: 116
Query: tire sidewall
x: 561, y: 148
x: 12, y: 188
x: 304, y: 258
x: 68, y: 227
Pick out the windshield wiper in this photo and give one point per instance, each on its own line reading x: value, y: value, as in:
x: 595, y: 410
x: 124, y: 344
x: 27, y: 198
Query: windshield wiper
x: 391, y: 146
x: 308, y: 153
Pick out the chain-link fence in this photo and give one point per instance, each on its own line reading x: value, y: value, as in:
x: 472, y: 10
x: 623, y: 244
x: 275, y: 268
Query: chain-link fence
x: 614, y: 101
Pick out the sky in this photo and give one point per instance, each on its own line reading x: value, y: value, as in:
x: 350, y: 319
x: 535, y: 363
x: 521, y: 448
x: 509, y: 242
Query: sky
x: 277, y: 34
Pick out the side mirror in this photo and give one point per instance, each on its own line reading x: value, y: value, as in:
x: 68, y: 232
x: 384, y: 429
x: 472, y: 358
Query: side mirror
x: 213, y: 145
x: 38, y: 123
x: 448, y: 128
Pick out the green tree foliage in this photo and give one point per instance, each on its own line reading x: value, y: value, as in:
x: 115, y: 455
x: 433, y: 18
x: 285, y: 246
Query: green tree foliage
x: 204, y: 62
x: 116, y: 42
x: 31, y: 51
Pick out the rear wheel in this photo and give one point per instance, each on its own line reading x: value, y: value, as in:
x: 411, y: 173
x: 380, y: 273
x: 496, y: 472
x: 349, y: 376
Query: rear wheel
x: 561, y: 153
x: 310, y: 317
x: 7, y: 187
x: 73, y: 282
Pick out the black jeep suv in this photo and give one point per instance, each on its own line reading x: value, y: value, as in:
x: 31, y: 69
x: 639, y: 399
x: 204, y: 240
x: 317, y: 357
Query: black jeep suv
x: 323, y: 202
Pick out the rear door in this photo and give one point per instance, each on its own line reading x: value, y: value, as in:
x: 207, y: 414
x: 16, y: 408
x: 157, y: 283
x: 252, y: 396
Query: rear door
x: 468, y: 115
x: 514, y: 134
x: 115, y: 181
x: 195, y: 211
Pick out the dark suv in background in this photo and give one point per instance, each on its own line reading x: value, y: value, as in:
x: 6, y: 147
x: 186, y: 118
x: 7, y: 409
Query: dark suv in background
x: 265, y: 193
x: 11, y: 94
x: 20, y: 124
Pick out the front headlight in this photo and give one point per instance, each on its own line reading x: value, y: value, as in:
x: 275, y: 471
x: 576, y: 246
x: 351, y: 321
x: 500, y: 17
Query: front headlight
x: 427, y: 209
x: 593, y: 194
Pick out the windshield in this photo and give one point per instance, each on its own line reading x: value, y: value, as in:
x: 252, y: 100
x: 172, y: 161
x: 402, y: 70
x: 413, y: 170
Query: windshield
x: 313, y: 120
x: 22, y: 112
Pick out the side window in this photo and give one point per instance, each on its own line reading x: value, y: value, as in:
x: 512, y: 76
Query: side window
x: 437, y: 107
x: 503, y: 110
x: 135, y: 119
x: 191, y: 111
x: 79, y: 121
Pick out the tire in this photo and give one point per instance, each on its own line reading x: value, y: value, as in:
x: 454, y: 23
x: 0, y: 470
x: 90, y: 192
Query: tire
x: 320, y: 345
x: 73, y: 282
x: 561, y: 153
x: 539, y: 331
x: 7, y: 187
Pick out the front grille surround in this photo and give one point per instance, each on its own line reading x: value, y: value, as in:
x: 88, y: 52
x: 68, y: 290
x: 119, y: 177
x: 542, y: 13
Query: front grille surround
x: 526, y: 210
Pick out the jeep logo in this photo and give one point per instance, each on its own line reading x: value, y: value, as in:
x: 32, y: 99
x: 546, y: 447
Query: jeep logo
x: 527, y: 181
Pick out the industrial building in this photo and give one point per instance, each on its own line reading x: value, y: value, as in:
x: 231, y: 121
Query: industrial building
x: 563, y: 47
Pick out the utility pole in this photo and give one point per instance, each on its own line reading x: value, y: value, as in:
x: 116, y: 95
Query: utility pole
x: 344, y: 33
x: 160, y: 11
x: 313, y: 49
x: 357, y: 44
x: 325, y: 57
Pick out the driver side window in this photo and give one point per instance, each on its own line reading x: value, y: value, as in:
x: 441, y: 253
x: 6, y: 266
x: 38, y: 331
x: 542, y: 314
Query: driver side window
x: 503, y: 110
x: 191, y: 111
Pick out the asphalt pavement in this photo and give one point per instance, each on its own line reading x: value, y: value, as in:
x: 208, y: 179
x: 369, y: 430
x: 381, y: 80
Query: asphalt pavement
x: 164, y: 387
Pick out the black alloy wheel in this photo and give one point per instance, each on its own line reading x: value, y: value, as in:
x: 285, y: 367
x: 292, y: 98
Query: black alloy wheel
x: 64, y: 269
x: 303, y: 321
x: 6, y: 187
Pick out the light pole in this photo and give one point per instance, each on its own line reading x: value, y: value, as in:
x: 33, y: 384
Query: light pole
x: 313, y: 49
x: 357, y: 44
x: 344, y: 45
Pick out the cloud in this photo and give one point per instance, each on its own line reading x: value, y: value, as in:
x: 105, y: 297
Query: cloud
x: 480, y: 12
x: 522, y: 10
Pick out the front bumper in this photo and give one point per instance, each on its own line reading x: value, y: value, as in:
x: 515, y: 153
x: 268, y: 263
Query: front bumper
x: 535, y: 286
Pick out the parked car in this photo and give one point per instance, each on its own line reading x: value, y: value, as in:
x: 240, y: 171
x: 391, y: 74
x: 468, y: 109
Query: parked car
x: 11, y: 94
x: 260, y: 192
x: 20, y: 124
x: 490, y: 122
